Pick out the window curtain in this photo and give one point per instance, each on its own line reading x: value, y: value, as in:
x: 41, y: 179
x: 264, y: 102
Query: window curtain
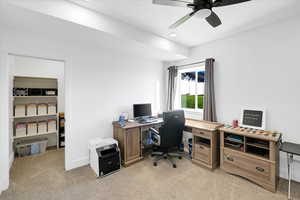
x: 173, y: 71
x: 209, y: 113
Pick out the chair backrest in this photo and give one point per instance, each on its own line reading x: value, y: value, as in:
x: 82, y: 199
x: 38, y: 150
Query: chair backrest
x: 171, y: 131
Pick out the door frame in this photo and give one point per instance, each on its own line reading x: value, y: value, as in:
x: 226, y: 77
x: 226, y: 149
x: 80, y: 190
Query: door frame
x: 5, y: 138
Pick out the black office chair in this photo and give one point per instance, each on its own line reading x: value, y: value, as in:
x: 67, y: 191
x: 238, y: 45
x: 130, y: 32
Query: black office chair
x: 169, y: 137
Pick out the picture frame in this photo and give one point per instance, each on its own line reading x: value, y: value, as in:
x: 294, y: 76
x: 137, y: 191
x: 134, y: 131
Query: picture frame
x: 253, y: 117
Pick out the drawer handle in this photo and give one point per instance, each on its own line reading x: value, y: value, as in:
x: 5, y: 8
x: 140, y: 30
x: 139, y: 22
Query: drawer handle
x: 260, y: 169
x: 201, y: 147
x: 201, y: 133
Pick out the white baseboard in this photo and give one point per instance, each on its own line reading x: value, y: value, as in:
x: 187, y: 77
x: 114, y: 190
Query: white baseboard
x: 11, y: 159
x: 3, y: 185
x: 78, y: 163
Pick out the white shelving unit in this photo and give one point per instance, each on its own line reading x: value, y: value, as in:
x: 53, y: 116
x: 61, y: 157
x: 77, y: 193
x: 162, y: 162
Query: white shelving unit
x: 38, y: 83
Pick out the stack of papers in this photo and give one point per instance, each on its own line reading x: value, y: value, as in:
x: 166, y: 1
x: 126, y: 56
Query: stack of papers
x: 32, y: 128
x: 42, y: 127
x: 20, y: 110
x: 20, y: 129
x: 31, y: 110
x: 42, y: 109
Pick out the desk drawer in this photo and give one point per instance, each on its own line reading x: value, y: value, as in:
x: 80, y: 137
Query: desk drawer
x: 252, y: 167
x: 202, y: 153
x: 201, y: 133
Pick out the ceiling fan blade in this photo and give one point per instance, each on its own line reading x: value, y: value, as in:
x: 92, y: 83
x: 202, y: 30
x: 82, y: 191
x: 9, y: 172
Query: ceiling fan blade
x: 181, y: 20
x: 172, y: 2
x: 219, y: 3
x: 213, y: 19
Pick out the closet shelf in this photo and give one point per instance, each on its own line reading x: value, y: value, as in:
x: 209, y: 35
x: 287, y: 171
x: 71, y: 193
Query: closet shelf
x: 39, y: 134
x: 22, y: 117
x: 35, y: 96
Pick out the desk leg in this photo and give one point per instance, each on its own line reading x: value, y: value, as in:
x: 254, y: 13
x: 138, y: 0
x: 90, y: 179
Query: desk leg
x: 290, y: 161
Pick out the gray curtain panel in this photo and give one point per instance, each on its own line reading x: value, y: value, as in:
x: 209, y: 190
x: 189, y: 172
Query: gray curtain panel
x: 171, y: 87
x: 209, y: 113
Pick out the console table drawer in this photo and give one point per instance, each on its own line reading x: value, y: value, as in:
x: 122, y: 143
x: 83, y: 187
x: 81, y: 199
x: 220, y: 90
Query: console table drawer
x: 202, y: 153
x: 253, y: 167
x: 202, y: 133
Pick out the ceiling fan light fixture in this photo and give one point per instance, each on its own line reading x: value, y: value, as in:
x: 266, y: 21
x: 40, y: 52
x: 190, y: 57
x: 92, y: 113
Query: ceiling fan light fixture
x: 203, y: 13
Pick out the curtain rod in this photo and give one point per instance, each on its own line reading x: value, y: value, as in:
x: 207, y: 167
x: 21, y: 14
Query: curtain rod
x: 203, y: 61
x: 199, y: 62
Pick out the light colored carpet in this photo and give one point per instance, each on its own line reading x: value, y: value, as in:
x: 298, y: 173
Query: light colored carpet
x: 42, y: 177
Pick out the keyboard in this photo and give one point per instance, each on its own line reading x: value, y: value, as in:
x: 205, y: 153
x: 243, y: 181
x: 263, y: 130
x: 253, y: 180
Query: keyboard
x: 147, y: 121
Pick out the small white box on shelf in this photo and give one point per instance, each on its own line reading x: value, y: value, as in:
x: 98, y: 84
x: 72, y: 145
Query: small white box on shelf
x: 31, y: 110
x: 52, y: 125
x: 42, y: 109
x: 42, y: 127
x: 20, y: 110
x: 20, y: 129
x: 52, y: 108
x: 32, y: 128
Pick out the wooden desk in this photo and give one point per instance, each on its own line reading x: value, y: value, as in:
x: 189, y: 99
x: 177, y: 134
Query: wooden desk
x: 205, y: 142
x: 252, y: 154
x: 130, y: 141
x: 129, y: 138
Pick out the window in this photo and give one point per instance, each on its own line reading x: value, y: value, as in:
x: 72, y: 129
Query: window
x: 191, y: 88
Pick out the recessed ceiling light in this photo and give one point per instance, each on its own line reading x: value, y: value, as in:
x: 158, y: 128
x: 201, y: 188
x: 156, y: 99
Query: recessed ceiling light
x: 172, y: 34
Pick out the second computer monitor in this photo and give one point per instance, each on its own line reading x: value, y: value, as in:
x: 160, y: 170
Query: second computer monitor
x: 142, y: 110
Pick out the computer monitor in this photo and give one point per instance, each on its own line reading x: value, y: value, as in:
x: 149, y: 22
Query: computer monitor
x: 142, y: 110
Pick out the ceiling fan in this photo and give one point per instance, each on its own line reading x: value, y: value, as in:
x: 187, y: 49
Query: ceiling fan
x: 201, y: 8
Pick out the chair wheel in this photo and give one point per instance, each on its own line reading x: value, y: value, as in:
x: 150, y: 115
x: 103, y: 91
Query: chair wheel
x: 174, y: 166
x: 152, y: 155
x: 154, y: 164
x: 165, y: 157
x: 179, y: 157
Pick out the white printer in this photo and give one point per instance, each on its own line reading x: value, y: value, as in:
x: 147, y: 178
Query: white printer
x: 104, y: 156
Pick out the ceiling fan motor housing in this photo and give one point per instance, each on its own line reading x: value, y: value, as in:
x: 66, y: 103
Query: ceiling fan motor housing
x: 200, y: 4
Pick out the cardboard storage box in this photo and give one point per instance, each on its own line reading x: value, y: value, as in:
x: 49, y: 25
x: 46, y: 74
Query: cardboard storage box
x: 42, y: 127
x: 42, y: 109
x: 31, y: 110
x: 20, y: 110
x: 20, y: 129
x: 51, y: 125
x: 32, y: 128
x: 52, y: 109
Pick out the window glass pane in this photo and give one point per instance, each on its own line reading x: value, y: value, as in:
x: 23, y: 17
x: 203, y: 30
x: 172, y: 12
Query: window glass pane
x: 188, y: 89
x: 201, y: 77
x: 200, y: 89
x: 200, y: 101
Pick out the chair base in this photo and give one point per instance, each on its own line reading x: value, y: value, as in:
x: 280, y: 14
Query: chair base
x: 168, y: 156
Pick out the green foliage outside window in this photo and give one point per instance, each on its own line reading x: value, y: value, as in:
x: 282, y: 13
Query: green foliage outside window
x: 188, y: 101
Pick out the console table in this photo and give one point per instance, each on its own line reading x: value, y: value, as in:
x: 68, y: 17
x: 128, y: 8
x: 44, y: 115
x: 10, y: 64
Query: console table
x: 251, y: 153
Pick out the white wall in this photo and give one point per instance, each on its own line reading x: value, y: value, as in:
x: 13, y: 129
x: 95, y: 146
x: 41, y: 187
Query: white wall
x: 259, y: 68
x: 4, y: 137
x: 100, y: 84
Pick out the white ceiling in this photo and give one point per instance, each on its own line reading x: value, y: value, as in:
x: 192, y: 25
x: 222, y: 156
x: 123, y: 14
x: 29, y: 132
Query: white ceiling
x: 65, y: 33
x: 156, y: 19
